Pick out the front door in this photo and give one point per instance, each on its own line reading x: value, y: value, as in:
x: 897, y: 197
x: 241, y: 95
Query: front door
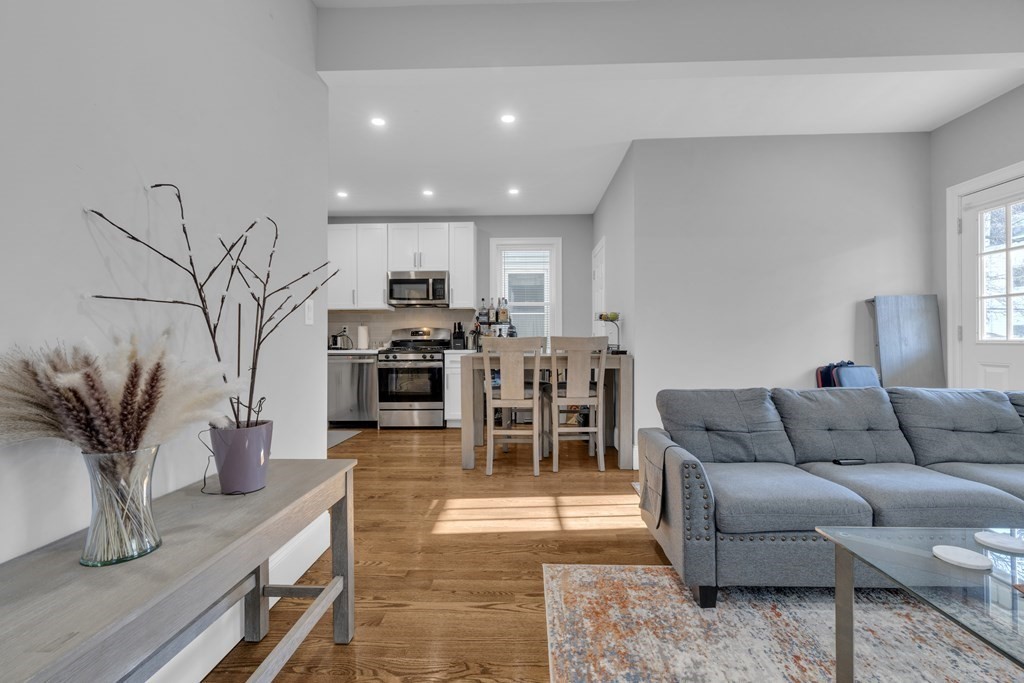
x: 992, y: 287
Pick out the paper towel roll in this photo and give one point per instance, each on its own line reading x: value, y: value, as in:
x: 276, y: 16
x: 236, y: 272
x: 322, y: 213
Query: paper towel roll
x: 362, y: 337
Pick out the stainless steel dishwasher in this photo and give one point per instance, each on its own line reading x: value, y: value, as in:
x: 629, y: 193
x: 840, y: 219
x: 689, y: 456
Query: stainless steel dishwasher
x: 352, y: 387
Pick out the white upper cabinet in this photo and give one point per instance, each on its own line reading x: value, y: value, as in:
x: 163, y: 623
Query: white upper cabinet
x: 360, y: 253
x: 342, y: 252
x: 418, y: 246
x: 434, y: 246
x: 373, y: 266
x: 462, y: 265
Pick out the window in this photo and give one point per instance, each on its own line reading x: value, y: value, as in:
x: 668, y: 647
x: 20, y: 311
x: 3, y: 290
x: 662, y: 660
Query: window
x: 1001, y: 265
x: 527, y: 273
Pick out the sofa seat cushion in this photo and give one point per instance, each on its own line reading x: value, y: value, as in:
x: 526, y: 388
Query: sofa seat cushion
x: 766, y: 496
x: 829, y: 424
x: 908, y: 495
x: 1009, y: 478
x: 959, y: 425
x: 725, y: 425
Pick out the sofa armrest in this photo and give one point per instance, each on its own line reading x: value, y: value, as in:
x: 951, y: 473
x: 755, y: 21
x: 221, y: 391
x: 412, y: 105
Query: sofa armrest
x: 678, y: 506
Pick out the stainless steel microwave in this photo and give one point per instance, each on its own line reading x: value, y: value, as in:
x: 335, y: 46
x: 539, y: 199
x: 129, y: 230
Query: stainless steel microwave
x: 418, y: 288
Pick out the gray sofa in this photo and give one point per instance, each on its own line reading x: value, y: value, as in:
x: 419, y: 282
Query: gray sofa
x: 736, y: 482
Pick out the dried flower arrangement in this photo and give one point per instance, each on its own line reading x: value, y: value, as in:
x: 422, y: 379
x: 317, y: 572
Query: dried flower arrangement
x: 117, y: 402
x: 117, y: 408
x: 267, y: 317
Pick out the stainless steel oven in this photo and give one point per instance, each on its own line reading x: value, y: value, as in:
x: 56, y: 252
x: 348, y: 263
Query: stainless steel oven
x: 410, y: 378
x: 418, y: 288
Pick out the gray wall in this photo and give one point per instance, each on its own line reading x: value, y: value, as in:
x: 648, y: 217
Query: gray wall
x: 577, y: 233
x: 615, y: 223
x: 984, y: 140
x: 754, y: 255
x: 220, y: 98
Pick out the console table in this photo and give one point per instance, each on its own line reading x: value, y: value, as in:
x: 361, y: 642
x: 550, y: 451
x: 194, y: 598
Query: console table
x: 61, y: 621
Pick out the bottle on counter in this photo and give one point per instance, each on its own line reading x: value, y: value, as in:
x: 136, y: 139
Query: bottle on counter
x: 492, y: 315
x: 481, y: 315
x: 503, y: 311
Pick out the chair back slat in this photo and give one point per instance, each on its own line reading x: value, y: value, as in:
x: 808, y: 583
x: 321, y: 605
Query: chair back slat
x: 578, y: 353
x: 511, y: 356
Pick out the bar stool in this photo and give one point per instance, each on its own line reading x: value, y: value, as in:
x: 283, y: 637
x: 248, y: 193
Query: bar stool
x: 515, y: 392
x: 578, y: 390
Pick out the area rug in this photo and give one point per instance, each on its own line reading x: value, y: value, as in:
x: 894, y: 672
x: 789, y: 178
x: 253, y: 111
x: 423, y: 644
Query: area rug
x: 633, y: 623
x: 336, y: 436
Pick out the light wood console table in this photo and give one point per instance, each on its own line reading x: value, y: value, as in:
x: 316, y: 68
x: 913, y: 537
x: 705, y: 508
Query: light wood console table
x: 60, y: 621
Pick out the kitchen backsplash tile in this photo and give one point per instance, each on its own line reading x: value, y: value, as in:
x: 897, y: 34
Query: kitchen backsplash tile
x: 381, y: 323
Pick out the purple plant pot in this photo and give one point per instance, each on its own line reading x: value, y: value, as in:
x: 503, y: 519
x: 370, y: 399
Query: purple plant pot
x: 242, y: 455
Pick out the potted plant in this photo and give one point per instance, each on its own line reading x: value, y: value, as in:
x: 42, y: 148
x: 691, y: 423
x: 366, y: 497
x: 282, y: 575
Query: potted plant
x: 118, y: 408
x: 241, y: 441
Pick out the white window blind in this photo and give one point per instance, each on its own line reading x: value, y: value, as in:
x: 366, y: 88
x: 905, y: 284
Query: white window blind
x: 527, y: 275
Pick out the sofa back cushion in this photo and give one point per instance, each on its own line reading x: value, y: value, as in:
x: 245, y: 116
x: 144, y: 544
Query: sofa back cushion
x: 959, y: 425
x: 828, y: 424
x: 725, y: 425
x: 1017, y: 401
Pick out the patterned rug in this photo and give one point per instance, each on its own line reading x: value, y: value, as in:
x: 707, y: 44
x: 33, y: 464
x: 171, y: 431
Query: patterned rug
x: 634, y: 623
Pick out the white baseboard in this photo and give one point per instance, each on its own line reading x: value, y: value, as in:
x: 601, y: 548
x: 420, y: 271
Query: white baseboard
x: 286, y: 566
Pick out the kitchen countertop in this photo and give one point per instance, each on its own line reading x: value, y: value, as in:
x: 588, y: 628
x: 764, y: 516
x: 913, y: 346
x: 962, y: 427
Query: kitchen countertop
x: 351, y: 352
x: 457, y: 352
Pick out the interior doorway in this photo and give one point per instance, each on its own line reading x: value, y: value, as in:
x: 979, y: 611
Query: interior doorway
x: 990, y: 334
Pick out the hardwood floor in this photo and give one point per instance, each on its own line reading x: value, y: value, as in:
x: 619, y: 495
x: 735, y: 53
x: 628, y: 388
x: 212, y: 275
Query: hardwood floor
x: 448, y: 579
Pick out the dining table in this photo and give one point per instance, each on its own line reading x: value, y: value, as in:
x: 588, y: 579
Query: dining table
x: 618, y: 400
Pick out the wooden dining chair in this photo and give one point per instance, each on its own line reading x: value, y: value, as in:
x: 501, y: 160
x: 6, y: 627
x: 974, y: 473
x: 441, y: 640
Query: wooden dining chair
x: 574, y: 358
x: 517, y: 392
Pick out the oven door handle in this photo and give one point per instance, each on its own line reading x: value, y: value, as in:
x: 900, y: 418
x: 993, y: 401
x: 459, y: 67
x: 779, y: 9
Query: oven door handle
x: 384, y: 365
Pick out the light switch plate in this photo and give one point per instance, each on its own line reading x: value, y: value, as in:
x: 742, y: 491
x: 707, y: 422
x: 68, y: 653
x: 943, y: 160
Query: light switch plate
x: 309, y: 312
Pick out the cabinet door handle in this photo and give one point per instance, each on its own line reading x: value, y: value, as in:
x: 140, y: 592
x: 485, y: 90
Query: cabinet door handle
x: 353, y: 297
x: 451, y: 294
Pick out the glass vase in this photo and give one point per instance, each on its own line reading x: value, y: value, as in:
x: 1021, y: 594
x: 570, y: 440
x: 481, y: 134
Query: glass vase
x: 122, y: 525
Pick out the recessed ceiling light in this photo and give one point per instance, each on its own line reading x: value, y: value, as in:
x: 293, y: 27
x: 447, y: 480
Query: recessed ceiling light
x: 378, y: 121
x: 428, y: 193
x: 508, y: 118
x: 343, y: 194
x: 513, y: 190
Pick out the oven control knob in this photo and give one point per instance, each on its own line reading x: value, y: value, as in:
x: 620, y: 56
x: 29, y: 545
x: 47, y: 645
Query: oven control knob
x: 425, y: 356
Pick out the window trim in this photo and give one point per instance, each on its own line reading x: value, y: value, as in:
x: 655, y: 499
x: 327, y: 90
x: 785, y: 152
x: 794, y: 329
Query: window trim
x: 553, y: 244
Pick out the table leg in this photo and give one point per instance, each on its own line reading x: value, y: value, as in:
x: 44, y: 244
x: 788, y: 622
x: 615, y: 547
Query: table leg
x: 625, y: 413
x: 256, y: 606
x: 844, y: 615
x: 343, y: 563
x: 468, y: 414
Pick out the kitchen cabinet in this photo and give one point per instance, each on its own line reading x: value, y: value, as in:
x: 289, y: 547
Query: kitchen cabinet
x: 360, y: 253
x: 462, y: 265
x: 453, y: 387
x: 417, y: 246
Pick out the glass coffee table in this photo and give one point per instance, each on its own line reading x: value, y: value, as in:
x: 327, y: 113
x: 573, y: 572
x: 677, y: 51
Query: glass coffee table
x: 984, y: 603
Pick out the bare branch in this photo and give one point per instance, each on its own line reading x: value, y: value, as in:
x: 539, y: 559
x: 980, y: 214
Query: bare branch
x: 277, y: 310
x: 301, y: 277
x: 144, y: 243
x: 273, y: 250
x: 151, y: 301
x: 297, y: 306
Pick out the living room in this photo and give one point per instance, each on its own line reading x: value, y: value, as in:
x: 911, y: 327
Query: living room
x: 748, y: 251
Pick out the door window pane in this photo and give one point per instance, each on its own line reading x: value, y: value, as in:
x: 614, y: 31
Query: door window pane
x: 1017, y: 328
x: 1017, y: 270
x: 993, y: 319
x: 993, y: 229
x: 1017, y: 223
x: 993, y: 274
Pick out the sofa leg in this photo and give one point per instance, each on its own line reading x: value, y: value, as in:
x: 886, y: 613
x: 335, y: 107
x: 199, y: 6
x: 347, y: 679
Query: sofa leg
x: 706, y: 596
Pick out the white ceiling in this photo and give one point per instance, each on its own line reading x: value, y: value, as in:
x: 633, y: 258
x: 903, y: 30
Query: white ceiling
x: 575, y: 123
x: 348, y: 4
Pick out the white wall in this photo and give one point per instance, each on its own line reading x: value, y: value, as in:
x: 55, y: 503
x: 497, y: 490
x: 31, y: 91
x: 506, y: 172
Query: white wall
x: 987, y: 139
x: 660, y: 31
x: 615, y: 223
x: 577, y: 233
x: 754, y: 255
x: 101, y: 99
